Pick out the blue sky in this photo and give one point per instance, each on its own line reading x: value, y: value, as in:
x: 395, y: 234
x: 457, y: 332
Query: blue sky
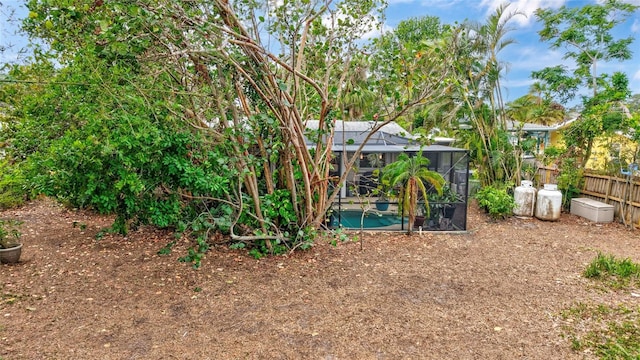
x: 8, y: 38
x: 526, y: 55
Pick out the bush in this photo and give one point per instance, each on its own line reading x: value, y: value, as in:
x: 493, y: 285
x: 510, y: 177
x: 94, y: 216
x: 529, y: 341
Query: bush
x: 570, y: 181
x: 12, y: 191
x: 497, y: 202
x: 129, y: 167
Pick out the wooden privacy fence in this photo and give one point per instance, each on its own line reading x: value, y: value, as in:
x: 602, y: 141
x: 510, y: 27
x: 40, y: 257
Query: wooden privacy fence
x: 621, y: 192
x: 546, y: 175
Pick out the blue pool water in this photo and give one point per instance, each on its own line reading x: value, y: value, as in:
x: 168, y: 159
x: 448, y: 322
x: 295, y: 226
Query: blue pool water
x: 350, y: 219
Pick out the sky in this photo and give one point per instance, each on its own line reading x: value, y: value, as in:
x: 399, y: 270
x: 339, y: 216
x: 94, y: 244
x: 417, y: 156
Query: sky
x: 527, y: 54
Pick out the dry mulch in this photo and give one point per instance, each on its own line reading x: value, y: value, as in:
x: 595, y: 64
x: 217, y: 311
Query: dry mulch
x: 492, y: 293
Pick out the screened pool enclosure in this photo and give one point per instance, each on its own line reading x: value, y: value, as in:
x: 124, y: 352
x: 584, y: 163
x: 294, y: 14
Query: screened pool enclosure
x: 364, y: 202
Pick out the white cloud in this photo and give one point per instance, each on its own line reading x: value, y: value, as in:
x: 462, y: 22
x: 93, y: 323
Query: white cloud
x: 636, y: 76
x: 535, y: 58
x: 373, y: 33
x: 273, y: 4
x: 517, y: 83
x: 394, y: 2
x: 635, y: 27
x: 529, y: 7
x: 526, y: 7
x: 365, y: 27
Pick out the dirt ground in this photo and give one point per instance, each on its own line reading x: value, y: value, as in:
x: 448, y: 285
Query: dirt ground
x: 493, y: 293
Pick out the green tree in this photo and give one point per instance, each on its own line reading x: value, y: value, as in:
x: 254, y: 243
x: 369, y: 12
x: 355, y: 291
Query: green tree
x: 412, y: 175
x: 531, y: 108
x: 586, y: 33
x: 402, y: 62
x: 477, y: 90
x: 108, y: 150
x: 243, y: 77
x: 357, y: 97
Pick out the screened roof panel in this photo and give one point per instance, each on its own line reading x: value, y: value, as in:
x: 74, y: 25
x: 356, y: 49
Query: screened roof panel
x: 392, y: 138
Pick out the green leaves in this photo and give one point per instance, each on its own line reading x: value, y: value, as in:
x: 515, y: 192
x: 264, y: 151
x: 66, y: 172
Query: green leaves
x: 104, y: 148
x: 495, y: 201
x: 413, y: 177
x: 608, y: 267
x: 558, y: 81
x: 278, y: 209
x: 587, y: 34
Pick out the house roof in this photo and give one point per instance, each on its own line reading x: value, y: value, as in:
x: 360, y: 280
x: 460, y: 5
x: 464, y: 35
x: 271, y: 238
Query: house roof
x: 566, y: 122
x: 369, y: 148
x: 365, y: 127
x: 513, y: 125
x: 391, y: 138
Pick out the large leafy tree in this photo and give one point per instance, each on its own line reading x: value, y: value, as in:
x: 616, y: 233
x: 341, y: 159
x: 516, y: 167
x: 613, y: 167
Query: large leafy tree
x: 587, y: 35
x: 90, y: 139
x: 471, y: 91
x: 393, y: 62
x: 246, y: 76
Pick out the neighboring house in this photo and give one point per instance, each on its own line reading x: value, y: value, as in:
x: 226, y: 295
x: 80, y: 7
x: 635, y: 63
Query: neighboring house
x: 611, y: 153
x: 519, y: 130
x: 556, y: 138
x: 616, y: 149
x: 542, y: 133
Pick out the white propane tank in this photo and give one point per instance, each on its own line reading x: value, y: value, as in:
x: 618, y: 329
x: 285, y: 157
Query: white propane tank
x: 549, y: 203
x: 525, y: 198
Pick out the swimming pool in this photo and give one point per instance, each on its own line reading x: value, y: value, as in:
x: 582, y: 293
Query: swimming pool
x: 350, y: 219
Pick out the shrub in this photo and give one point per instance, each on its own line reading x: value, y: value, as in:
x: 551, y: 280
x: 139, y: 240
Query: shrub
x: 570, y: 181
x: 12, y: 191
x: 131, y: 168
x: 497, y: 202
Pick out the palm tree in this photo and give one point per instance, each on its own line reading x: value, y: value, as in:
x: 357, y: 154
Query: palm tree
x: 356, y: 96
x: 412, y: 174
x: 479, y: 72
x: 531, y: 108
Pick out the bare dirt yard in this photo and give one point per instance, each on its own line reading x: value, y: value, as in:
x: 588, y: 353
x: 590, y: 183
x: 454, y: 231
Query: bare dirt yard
x: 495, y: 292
